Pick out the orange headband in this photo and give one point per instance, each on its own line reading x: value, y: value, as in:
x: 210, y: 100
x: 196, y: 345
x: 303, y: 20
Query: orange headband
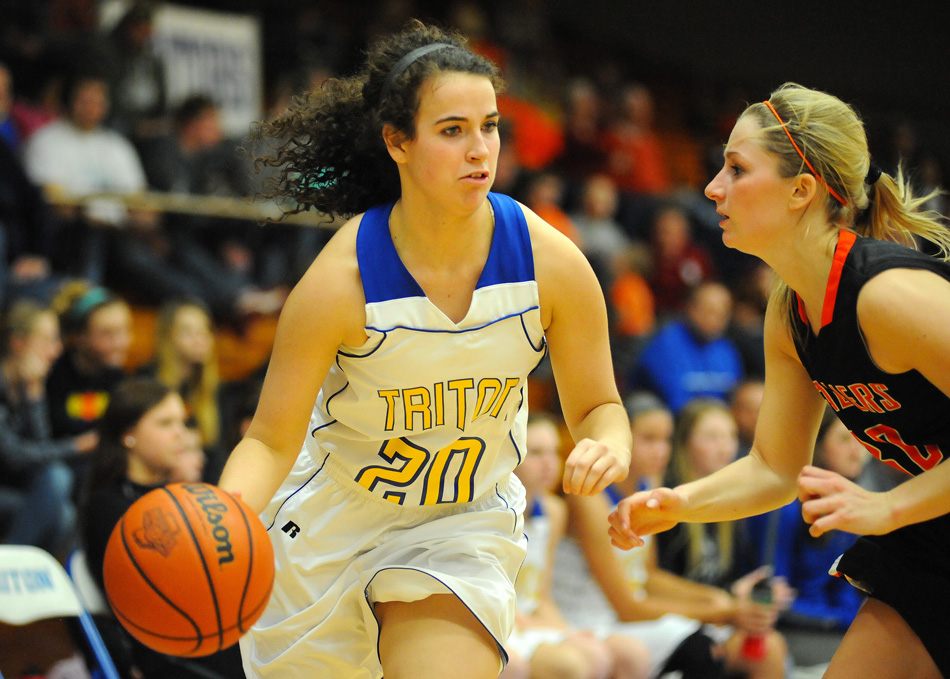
x: 802, y: 155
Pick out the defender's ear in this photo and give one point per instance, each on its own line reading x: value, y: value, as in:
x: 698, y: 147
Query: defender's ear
x: 804, y: 191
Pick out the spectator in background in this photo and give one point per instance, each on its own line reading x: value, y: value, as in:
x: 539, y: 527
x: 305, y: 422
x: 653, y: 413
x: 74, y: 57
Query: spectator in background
x: 631, y: 308
x: 186, y: 361
x: 679, y: 262
x: 542, y: 637
x: 27, y: 231
x: 627, y: 592
x: 183, y: 260
x: 97, y: 332
x: 76, y: 157
x: 178, y: 161
x: 544, y: 193
x: 637, y: 158
x: 595, y: 221
x: 35, y: 483
x: 745, y: 402
x: 136, y: 75
x: 9, y: 130
x: 143, y: 440
x: 751, y: 294
x: 692, y: 357
x: 705, y: 439
x: 583, y: 154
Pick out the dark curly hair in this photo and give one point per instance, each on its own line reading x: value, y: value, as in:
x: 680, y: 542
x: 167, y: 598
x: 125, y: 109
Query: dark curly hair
x: 327, y: 148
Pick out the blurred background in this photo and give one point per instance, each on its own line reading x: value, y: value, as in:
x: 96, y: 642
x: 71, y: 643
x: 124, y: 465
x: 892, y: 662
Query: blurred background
x: 122, y: 180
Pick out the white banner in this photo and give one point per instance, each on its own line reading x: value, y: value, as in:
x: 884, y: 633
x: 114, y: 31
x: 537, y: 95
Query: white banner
x: 216, y: 54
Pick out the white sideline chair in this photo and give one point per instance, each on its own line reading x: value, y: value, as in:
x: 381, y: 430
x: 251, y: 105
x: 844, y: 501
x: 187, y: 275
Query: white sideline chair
x: 34, y: 586
x: 90, y: 595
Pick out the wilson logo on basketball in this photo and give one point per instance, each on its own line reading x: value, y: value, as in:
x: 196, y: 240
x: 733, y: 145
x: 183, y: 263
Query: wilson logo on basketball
x: 214, y: 511
x: 159, y: 531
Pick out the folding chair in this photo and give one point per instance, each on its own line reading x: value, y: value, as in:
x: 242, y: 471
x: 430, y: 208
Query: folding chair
x: 87, y: 589
x: 34, y: 586
x: 94, y: 601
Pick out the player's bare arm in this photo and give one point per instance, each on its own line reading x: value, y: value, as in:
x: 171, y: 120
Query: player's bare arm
x: 574, y: 316
x: 323, y: 311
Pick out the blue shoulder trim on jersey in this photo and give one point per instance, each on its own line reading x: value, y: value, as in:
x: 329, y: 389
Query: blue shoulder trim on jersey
x: 385, y: 277
x: 383, y: 273
x: 510, y: 259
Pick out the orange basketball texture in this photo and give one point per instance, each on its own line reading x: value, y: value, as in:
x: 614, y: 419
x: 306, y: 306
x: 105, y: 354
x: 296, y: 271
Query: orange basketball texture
x: 188, y: 569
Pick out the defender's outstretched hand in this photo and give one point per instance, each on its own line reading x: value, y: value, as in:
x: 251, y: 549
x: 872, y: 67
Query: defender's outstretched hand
x: 830, y: 501
x: 644, y: 513
x: 592, y: 466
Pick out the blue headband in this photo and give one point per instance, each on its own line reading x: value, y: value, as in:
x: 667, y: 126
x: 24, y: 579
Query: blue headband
x: 406, y: 62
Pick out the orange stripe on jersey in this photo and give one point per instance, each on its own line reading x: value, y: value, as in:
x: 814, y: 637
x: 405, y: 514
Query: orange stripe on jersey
x: 801, y: 309
x: 845, y: 242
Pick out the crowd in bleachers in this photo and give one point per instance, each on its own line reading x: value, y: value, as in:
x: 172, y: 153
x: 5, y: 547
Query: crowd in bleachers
x: 605, y: 150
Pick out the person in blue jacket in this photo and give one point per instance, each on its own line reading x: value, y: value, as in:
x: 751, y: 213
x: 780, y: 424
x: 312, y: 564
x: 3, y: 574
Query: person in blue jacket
x: 692, y: 357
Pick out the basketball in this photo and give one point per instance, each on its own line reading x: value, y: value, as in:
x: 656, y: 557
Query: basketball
x: 188, y: 569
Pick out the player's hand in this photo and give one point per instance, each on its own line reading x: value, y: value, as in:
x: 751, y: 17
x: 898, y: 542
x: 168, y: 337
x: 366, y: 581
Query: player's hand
x: 644, y: 513
x: 592, y: 466
x: 832, y: 502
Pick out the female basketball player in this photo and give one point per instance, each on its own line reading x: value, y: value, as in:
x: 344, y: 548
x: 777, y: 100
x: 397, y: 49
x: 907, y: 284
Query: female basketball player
x: 393, y: 411
x: 862, y: 322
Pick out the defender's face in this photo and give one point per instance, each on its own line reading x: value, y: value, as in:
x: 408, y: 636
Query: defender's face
x: 750, y: 194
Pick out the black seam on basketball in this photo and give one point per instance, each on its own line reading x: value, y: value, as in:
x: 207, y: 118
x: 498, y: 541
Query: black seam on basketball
x: 250, y: 566
x: 204, y: 564
x: 148, y: 581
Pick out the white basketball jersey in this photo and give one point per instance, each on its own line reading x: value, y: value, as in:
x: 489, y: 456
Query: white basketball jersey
x: 429, y: 411
x: 537, y: 528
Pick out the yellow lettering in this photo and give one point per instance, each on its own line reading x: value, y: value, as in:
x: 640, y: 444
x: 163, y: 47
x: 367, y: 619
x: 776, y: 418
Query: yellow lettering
x: 481, y: 407
x: 510, y: 384
x: 439, y: 398
x: 460, y: 387
x: 390, y: 395
x: 417, y: 401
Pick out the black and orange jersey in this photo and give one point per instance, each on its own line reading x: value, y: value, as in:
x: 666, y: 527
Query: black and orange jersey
x: 902, y: 419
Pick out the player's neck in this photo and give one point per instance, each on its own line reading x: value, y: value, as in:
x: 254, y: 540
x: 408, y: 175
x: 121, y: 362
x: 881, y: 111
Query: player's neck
x: 442, y: 239
x: 805, y: 263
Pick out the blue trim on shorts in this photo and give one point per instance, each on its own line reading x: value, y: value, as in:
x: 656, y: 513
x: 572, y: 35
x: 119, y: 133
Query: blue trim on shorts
x: 501, y: 649
x: 305, y: 484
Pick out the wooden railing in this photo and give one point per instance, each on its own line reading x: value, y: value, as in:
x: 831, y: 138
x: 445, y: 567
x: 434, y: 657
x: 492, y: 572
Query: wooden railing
x: 224, y: 207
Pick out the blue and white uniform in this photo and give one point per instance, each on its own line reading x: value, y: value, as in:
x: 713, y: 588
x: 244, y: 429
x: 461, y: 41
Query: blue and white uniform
x: 525, y: 641
x: 585, y: 606
x: 404, y: 486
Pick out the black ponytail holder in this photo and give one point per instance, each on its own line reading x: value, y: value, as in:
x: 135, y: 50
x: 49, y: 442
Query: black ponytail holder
x: 874, y: 173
